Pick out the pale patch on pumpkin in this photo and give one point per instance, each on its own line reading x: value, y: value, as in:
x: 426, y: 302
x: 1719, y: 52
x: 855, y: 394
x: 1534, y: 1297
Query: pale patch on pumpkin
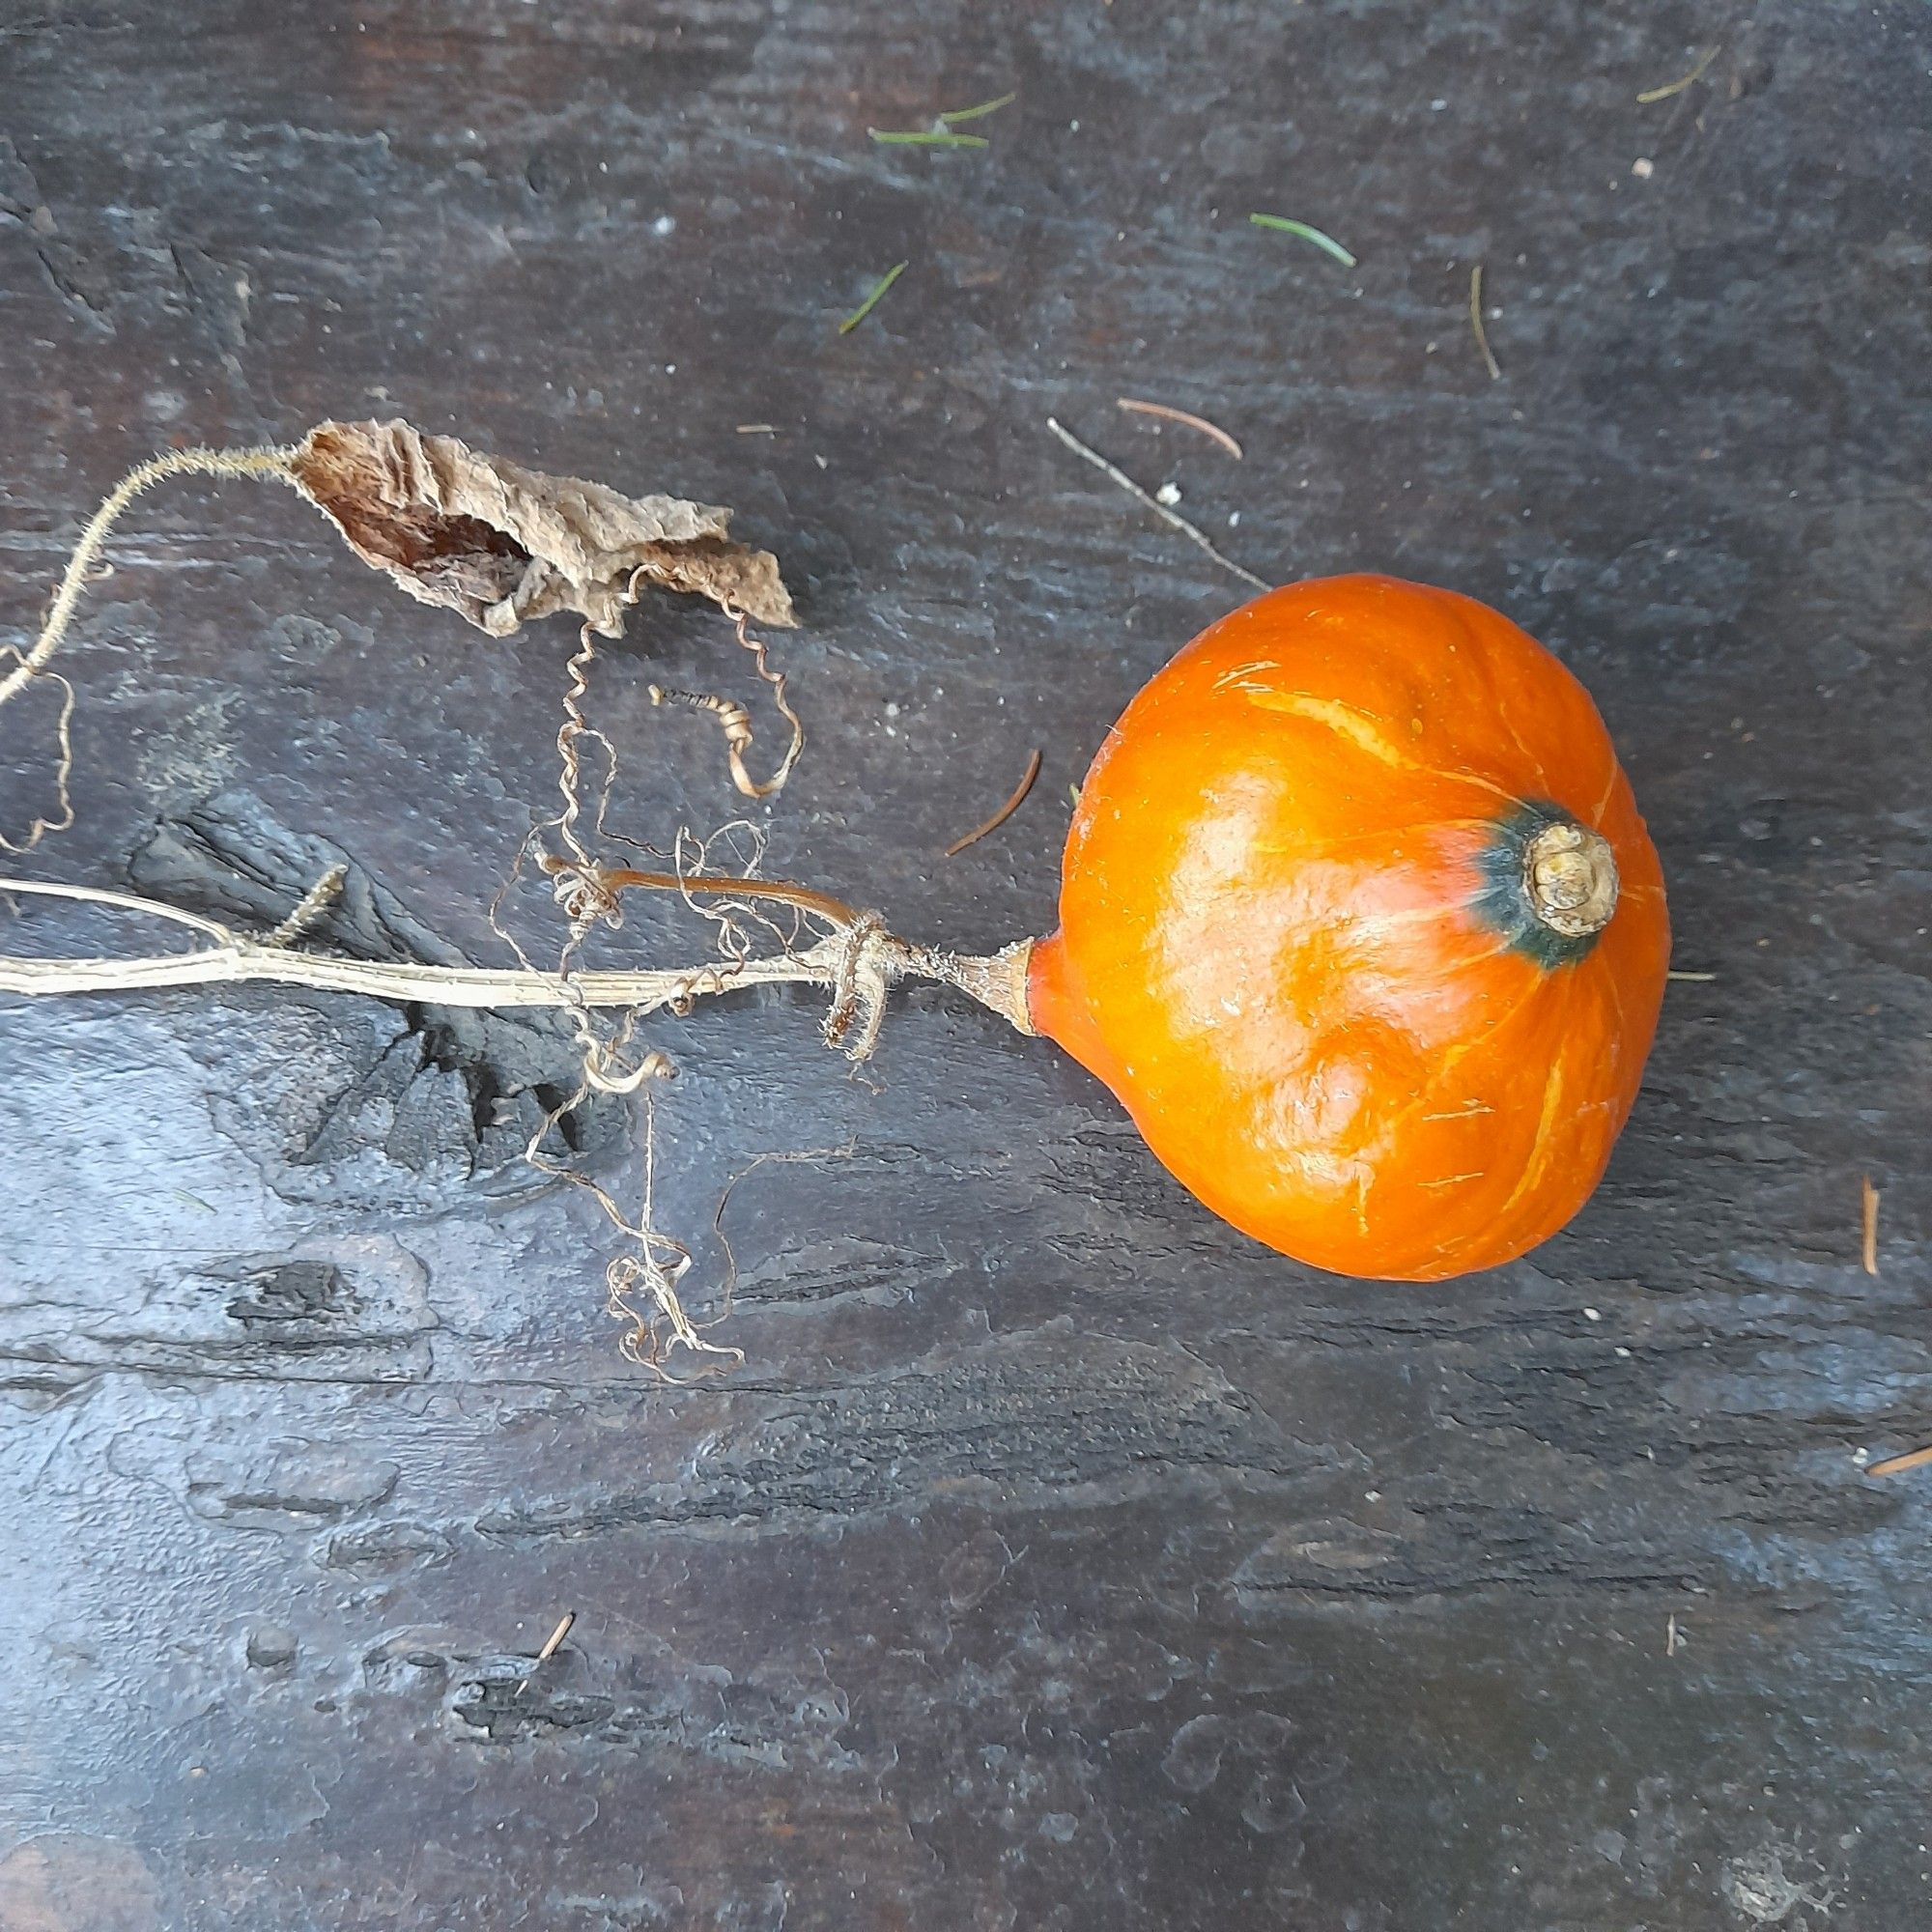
x: 1237, y: 677
x: 1544, y: 1146
x: 1359, y: 727
x: 1469, y: 1110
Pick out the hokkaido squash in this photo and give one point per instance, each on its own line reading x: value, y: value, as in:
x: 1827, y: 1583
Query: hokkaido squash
x: 1359, y: 922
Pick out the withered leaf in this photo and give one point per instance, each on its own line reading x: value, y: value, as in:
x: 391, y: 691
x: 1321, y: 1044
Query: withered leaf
x: 502, y: 545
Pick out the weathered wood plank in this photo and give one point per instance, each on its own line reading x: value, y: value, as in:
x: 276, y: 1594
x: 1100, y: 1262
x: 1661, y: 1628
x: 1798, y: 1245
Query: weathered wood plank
x: 1057, y: 1559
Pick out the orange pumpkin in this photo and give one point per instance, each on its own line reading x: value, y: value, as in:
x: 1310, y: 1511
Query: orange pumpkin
x: 1360, y: 922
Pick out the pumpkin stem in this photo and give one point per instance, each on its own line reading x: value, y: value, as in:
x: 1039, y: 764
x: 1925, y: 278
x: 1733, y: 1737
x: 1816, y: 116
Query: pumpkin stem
x: 1571, y: 876
x: 998, y: 980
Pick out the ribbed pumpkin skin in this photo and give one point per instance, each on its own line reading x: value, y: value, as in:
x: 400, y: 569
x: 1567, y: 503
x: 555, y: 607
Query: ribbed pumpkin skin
x: 1269, y: 947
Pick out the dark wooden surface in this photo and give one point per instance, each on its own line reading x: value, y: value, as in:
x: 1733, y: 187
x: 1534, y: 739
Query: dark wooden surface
x: 1057, y: 1559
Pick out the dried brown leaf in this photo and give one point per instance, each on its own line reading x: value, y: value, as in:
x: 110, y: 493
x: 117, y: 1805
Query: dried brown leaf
x: 502, y: 545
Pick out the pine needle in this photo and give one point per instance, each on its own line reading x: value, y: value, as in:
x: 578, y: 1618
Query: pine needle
x: 544, y: 1656
x: 1482, y: 334
x: 1004, y: 812
x: 1690, y: 79
x: 873, y: 299
x: 979, y: 113
x: 926, y: 138
x: 1169, y: 414
x: 1327, y: 243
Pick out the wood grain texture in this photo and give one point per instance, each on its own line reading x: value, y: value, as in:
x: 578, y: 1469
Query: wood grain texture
x: 1059, y: 1559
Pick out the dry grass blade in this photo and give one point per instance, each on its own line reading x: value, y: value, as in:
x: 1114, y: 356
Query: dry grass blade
x: 1004, y: 812
x: 1476, y: 327
x: 1897, y: 1465
x: 1690, y: 79
x: 1169, y: 414
x: 1193, y: 534
x: 1868, y: 1219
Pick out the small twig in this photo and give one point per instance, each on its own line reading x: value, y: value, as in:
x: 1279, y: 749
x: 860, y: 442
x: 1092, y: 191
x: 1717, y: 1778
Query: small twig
x: 873, y: 299
x: 958, y: 114
x: 1690, y: 79
x: 1481, y: 334
x: 757, y: 429
x: 1192, y: 421
x: 1697, y: 979
x: 544, y: 1656
x: 1671, y: 1637
x: 1327, y: 243
x: 937, y: 138
x: 1868, y: 1209
x: 1004, y: 812
x: 1897, y: 1465
x: 1160, y: 509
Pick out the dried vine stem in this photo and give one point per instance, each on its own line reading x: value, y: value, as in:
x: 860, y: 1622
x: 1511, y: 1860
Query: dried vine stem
x: 62, y: 762
x: 642, y: 1282
x: 858, y: 963
x: 655, y: 1263
x: 264, y: 461
x: 501, y: 545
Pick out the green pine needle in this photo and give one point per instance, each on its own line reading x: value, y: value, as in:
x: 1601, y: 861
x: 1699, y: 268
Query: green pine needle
x: 1326, y: 243
x: 933, y: 139
x: 1669, y: 88
x: 873, y: 299
x: 985, y: 107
